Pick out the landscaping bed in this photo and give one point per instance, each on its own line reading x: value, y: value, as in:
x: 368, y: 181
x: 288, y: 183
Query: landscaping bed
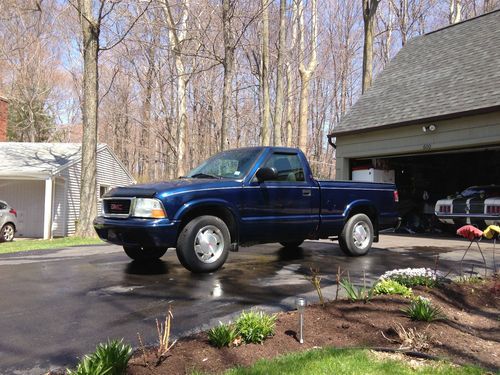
x: 469, y: 334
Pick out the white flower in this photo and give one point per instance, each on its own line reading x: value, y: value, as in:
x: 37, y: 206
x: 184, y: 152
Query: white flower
x: 412, y: 272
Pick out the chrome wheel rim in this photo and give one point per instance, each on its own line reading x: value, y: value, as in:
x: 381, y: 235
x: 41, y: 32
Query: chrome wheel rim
x: 361, y: 235
x: 209, y: 244
x: 8, y: 233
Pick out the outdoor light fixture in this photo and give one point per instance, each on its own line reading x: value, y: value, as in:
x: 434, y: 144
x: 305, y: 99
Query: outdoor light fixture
x: 300, y: 304
x: 429, y: 128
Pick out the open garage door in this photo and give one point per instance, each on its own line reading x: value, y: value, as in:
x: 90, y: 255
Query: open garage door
x: 422, y: 179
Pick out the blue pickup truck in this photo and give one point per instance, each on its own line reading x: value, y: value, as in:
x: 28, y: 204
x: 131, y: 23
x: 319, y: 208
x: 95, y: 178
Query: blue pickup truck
x: 244, y: 196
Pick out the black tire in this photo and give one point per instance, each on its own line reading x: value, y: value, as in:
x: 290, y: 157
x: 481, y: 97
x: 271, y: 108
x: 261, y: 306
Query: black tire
x: 144, y: 254
x: 7, y: 233
x: 291, y: 244
x: 357, y: 235
x: 199, y: 257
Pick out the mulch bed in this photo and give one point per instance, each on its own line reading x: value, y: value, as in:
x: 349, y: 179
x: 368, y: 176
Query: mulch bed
x: 471, y: 334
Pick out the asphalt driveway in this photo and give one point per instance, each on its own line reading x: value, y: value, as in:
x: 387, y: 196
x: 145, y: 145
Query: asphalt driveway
x: 55, y: 306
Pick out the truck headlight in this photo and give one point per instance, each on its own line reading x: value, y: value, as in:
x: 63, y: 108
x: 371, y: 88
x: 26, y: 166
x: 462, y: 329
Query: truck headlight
x: 148, y: 207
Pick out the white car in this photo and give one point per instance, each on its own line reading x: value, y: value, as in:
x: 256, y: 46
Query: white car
x: 8, y: 222
x: 476, y: 205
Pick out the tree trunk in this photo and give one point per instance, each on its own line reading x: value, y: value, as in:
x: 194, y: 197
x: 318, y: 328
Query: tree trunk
x: 228, y: 63
x: 278, y: 109
x: 306, y: 72
x: 305, y: 77
x: 177, y: 35
x: 146, y: 170
x: 88, y: 197
x: 369, y: 11
x: 266, y: 99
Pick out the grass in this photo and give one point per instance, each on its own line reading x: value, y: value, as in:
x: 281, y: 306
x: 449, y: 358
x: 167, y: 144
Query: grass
x: 347, y: 361
x: 58, y: 243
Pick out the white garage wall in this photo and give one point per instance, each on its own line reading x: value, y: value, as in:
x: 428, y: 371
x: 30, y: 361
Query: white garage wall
x: 27, y: 198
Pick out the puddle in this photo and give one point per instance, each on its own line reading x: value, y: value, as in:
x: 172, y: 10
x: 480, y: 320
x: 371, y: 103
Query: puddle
x: 287, y: 275
x: 113, y: 290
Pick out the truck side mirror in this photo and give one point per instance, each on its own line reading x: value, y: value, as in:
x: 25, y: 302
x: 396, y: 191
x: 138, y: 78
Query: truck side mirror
x: 266, y: 174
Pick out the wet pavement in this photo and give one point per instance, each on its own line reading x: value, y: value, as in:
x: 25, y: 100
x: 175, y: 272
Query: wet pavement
x: 55, y: 306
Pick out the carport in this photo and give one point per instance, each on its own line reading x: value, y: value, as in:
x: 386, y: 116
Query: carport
x: 432, y: 117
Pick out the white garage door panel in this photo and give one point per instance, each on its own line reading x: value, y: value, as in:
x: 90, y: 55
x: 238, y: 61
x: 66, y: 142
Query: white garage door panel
x: 27, y: 197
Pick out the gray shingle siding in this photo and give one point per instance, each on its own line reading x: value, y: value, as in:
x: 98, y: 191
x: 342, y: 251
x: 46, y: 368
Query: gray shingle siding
x: 454, y: 70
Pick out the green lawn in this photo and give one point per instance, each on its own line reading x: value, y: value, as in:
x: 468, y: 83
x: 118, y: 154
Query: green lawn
x: 58, y: 243
x: 343, y: 362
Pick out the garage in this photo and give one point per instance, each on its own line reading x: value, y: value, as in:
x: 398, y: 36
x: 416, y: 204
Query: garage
x: 424, y: 179
x: 431, y: 121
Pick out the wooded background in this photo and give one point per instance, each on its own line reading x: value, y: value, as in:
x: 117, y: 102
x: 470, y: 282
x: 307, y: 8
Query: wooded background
x: 177, y: 81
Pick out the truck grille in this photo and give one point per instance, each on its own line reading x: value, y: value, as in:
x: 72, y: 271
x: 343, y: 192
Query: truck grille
x: 119, y: 207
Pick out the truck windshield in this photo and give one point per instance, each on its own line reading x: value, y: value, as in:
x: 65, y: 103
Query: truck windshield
x: 233, y: 164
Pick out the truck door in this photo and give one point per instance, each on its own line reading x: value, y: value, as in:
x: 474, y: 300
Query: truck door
x: 281, y: 209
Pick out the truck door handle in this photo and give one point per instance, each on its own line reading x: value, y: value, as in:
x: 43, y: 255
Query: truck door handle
x: 306, y: 193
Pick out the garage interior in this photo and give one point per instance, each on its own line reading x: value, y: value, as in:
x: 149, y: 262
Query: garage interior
x: 423, y: 179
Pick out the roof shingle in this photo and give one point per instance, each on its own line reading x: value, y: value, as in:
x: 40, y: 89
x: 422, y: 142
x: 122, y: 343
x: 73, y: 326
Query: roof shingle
x: 453, y: 70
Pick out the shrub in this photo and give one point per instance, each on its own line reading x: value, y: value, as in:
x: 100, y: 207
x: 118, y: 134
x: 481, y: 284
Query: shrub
x: 390, y: 286
x: 421, y: 309
x: 255, y: 327
x: 222, y: 335
x: 411, y: 277
x: 110, y: 358
x: 355, y: 293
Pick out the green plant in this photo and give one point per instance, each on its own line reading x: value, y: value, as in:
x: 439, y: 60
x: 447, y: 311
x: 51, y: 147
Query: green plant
x: 109, y: 358
x: 254, y: 327
x: 223, y: 335
x: 390, y: 286
x: 422, y: 309
x: 356, y: 293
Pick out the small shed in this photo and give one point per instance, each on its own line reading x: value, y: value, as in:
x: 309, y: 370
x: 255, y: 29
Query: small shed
x: 42, y: 182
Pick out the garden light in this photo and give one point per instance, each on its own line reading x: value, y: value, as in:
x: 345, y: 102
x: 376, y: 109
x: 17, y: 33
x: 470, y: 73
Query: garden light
x: 300, y: 304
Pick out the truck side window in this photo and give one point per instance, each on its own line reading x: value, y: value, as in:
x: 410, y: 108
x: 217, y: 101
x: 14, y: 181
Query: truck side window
x: 288, y: 166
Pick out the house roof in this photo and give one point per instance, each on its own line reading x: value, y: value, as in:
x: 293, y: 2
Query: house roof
x: 447, y: 73
x: 37, y: 160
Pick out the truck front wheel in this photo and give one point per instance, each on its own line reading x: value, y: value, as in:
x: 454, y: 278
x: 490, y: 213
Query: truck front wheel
x: 144, y: 254
x: 357, y: 235
x: 203, y: 244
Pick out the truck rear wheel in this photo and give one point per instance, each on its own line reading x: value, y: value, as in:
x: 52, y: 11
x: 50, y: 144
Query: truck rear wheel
x: 203, y: 245
x: 144, y: 254
x: 357, y: 235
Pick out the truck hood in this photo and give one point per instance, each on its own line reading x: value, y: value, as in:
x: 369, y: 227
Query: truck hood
x: 168, y: 187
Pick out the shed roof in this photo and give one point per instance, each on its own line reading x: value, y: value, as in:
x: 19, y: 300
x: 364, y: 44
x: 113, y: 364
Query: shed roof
x: 37, y: 160
x: 447, y: 73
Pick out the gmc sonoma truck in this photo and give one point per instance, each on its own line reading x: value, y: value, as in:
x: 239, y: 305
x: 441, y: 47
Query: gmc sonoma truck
x: 244, y: 196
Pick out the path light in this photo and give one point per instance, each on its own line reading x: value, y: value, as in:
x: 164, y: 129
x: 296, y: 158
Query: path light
x: 300, y: 304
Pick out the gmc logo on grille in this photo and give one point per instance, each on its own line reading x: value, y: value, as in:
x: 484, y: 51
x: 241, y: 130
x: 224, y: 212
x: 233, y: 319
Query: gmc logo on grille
x: 116, y: 206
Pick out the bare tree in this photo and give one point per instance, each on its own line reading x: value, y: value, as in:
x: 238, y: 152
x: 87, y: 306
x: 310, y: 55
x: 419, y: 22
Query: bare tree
x: 177, y: 34
x: 91, y: 30
x: 280, y: 76
x: 228, y: 8
x: 266, y: 98
x: 369, y: 12
x: 455, y: 11
x: 306, y: 72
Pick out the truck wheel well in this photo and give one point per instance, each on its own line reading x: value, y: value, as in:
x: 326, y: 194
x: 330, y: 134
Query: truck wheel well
x: 222, y: 213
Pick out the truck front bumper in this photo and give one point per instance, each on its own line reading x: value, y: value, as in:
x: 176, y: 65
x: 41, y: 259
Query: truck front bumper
x: 159, y: 233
